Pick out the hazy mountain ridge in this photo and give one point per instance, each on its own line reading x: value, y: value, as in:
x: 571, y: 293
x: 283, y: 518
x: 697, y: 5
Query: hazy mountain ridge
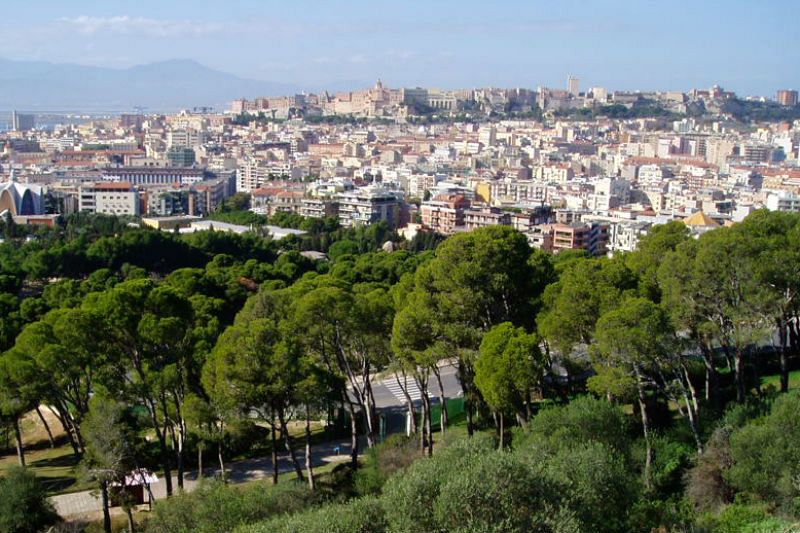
x: 165, y: 85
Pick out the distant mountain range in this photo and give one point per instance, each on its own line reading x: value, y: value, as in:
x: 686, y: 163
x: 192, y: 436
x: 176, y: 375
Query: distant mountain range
x: 163, y: 86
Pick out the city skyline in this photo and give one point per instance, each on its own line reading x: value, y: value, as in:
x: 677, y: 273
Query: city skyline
x: 622, y: 45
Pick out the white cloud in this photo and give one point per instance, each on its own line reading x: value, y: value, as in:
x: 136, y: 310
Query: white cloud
x: 128, y: 25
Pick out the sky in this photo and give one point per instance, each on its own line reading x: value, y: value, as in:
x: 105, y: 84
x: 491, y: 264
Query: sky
x: 750, y: 46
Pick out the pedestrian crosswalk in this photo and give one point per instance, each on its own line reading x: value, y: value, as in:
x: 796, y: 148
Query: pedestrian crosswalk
x: 397, y: 390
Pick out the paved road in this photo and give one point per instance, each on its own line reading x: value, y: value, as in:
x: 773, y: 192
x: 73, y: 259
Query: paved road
x: 86, y: 502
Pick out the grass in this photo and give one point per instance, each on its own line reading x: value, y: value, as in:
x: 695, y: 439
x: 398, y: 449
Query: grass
x: 55, y: 467
x: 775, y: 380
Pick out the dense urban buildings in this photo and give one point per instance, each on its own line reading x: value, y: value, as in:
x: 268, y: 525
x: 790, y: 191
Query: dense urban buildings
x: 590, y: 169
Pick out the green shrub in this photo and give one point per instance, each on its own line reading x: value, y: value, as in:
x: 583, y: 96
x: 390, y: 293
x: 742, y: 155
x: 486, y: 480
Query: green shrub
x: 393, y: 455
x: 362, y: 515
x: 215, y: 507
x: 766, y: 454
x: 584, y: 419
x: 498, y: 493
x: 748, y: 518
x: 24, y: 507
x: 592, y: 479
x: 409, y: 496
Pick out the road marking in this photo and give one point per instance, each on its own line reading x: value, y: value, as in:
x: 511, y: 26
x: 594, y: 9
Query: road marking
x: 397, y: 390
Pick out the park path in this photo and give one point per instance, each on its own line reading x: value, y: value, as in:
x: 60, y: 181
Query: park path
x: 87, y: 502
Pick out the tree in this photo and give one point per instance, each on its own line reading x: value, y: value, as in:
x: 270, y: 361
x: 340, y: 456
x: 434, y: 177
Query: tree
x: 476, y: 280
x: 110, y: 452
x: 650, y: 252
x: 631, y: 337
x: 248, y: 371
x: 777, y: 255
x: 765, y: 454
x: 717, y: 283
x: 586, y: 289
x: 19, y: 394
x: 144, y: 331
x: 65, y: 350
x: 509, y: 368
x: 24, y: 507
x: 349, y: 336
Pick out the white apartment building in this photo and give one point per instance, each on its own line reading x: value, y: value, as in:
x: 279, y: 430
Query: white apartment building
x: 368, y: 205
x: 783, y: 201
x: 110, y: 198
x: 253, y: 174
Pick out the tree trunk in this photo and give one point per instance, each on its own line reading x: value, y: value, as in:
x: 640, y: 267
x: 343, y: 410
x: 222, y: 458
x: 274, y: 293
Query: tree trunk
x: 131, y: 524
x: 353, y: 432
x: 784, y: 359
x: 165, y: 462
x: 646, y: 430
x: 106, y: 513
x: 501, y: 430
x: 46, y: 427
x: 409, y: 402
x: 18, y: 441
x: 739, y: 376
x: 712, y: 377
x: 274, y: 442
x: 180, y: 457
x: 463, y: 379
x: 470, y: 423
x: 221, y: 461
x: 309, y: 462
x: 287, y: 441
x: 199, y: 461
x: 443, y: 415
x: 162, y: 442
x: 369, y: 412
x: 68, y: 430
x: 427, y: 431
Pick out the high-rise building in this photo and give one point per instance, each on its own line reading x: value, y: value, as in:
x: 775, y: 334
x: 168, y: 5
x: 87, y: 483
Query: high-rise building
x: 22, y: 122
x: 787, y: 97
x: 573, y: 85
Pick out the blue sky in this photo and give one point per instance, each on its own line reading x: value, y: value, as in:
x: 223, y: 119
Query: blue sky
x: 750, y: 46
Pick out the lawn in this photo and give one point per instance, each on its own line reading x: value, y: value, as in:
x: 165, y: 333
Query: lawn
x: 775, y: 380
x: 56, y: 467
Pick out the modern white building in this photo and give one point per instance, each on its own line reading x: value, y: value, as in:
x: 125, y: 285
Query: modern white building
x: 110, y: 198
x: 21, y: 199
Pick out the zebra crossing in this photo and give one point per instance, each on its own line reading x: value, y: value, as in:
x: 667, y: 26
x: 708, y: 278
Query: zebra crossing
x: 397, y: 390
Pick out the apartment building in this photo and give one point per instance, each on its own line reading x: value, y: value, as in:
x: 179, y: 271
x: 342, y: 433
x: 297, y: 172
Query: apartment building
x: 444, y: 213
x: 368, y: 205
x: 592, y: 237
x: 481, y: 217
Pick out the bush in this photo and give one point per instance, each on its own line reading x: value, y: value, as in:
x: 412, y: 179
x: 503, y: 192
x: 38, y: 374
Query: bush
x: 766, y: 454
x: 24, y: 507
x: 747, y: 518
x: 393, y: 455
x: 409, y: 496
x: 705, y: 483
x: 497, y: 492
x: 214, y: 507
x: 584, y: 419
x: 362, y: 515
x: 592, y: 479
